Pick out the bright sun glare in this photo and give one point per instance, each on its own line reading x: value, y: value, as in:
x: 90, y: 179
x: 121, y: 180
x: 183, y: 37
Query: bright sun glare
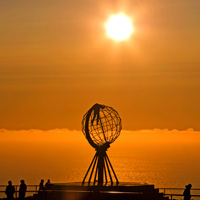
x: 119, y: 27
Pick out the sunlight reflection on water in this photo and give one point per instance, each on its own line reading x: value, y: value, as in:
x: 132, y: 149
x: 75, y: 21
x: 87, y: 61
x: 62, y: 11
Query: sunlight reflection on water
x: 63, y: 158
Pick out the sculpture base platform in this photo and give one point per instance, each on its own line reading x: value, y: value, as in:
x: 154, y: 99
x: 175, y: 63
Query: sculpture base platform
x: 122, y: 191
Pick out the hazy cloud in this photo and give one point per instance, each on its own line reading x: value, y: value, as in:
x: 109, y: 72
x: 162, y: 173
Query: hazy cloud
x: 76, y: 136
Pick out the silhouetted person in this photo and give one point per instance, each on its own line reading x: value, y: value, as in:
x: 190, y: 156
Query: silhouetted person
x: 96, y: 109
x: 10, y: 190
x: 186, y: 192
x: 41, y: 186
x: 22, y: 190
x: 47, y: 183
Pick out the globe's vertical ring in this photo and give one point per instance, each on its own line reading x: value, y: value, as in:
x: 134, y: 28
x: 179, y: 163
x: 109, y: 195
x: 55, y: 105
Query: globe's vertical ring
x: 87, y: 134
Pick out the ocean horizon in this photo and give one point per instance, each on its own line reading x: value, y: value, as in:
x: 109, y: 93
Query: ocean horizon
x: 64, y: 156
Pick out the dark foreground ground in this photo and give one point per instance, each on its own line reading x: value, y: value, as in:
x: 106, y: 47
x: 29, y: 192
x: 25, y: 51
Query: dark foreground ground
x: 77, y: 191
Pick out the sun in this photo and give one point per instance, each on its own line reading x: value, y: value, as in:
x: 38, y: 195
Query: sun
x: 119, y: 27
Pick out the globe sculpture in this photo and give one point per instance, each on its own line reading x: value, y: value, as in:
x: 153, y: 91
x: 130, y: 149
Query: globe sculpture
x: 101, y: 126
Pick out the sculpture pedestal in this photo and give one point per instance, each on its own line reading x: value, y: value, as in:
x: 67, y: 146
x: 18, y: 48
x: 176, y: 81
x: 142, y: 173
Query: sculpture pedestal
x: 122, y: 191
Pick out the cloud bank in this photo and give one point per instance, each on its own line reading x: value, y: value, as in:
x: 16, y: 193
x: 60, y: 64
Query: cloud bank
x: 76, y: 136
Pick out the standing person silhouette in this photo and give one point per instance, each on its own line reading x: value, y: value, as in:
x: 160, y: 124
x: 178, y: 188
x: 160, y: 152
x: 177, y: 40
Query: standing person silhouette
x: 47, y: 183
x: 41, y: 186
x: 10, y: 190
x: 22, y: 189
x: 186, y: 193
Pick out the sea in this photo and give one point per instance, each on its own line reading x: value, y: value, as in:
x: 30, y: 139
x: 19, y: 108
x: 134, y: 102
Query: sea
x: 65, y: 157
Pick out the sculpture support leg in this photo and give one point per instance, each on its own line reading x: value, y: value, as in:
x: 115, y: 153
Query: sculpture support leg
x: 95, y: 177
x: 101, y: 165
x: 108, y: 170
x: 104, y: 169
x: 92, y: 163
x: 112, y: 168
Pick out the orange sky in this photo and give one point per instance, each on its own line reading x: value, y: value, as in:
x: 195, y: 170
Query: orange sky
x: 56, y: 62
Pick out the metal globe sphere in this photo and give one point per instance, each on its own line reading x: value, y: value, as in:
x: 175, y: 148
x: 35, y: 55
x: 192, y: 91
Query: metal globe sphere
x: 101, y: 125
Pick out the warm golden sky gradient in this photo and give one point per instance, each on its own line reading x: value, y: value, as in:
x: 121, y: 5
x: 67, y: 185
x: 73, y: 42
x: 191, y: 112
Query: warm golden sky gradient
x: 56, y: 62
